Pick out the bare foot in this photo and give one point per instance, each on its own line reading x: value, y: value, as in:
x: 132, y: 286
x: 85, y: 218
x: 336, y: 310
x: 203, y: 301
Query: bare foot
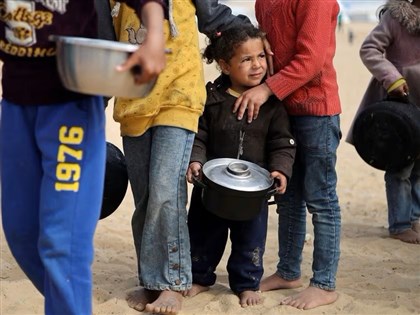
x: 139, y: 298
x: 168, y: 302
x: 195, y: 289
x: 309, y: 298
x: 249, y: 298
x: 275, y: 282
x: 408, y: 236
x: 416, y: 226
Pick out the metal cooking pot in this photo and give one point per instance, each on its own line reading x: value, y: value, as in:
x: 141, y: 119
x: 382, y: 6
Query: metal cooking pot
x: 235, y: 189
x: 387, y: 134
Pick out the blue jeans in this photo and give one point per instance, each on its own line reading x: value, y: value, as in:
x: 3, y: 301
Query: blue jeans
x: 52, y: 173
x: 209, y: 234
x: 403, y: 196
x: 157, y: 164
x: 312, y: 186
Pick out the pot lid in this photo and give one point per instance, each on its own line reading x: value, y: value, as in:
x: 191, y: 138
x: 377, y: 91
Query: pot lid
x: 237, y: 174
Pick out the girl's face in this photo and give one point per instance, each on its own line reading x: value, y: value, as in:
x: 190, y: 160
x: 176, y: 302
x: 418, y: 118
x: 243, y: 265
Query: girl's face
x: 248, y: 65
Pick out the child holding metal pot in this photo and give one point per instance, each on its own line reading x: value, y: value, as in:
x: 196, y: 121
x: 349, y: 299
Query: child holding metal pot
x: 267, y: 142
x: 391, y: 52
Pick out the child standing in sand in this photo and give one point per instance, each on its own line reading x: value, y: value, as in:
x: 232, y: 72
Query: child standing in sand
x: 53, y: 154
x: 391, y: 52
x: 302, y: 36
x: 157, y: 134
x: 268, y: 142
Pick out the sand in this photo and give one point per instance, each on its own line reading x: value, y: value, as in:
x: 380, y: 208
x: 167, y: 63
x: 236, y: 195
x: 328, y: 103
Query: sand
x: 377, y: 275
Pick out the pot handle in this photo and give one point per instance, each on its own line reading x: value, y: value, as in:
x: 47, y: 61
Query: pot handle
x: 199, y: 183
x: 271, y: 193
x: 397, y: 99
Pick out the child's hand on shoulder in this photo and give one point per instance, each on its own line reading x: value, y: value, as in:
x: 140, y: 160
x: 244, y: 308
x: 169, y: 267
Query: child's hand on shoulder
x: 194, y: 171
x: 281, y: 181
x: 251, y: 100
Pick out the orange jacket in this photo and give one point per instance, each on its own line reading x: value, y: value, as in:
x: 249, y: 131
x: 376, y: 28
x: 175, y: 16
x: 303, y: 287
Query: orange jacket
x: 302, y: 37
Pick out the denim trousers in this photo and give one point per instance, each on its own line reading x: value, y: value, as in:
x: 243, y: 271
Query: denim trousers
x: 403, y: 197
x: 209, y: 234
x: 313, y: 187
x: 157, y: 163
x: 52, y: 173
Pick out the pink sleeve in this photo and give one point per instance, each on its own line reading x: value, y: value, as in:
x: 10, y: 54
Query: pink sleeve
x: 372, y: 52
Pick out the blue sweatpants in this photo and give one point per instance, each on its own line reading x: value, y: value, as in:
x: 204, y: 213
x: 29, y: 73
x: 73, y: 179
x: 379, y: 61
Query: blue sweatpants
x: 52, y: 173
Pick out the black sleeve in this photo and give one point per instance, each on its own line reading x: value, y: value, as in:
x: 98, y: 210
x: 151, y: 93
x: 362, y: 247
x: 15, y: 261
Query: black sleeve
x: 105, y: 26
x: 281, y: 145
x: 213, y: 16
x: 199, y: 150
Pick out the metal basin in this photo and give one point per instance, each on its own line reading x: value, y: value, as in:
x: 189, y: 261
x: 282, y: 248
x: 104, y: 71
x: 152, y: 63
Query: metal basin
x: 88, y: 66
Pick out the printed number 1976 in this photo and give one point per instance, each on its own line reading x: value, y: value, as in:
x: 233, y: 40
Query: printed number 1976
x: 68, y: 172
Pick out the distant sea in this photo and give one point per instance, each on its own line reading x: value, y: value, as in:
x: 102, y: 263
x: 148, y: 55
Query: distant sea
x: 352, y: 10
x: 361, y: 10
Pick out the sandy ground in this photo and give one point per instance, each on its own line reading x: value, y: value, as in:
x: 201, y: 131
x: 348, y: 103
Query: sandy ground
x: 377, y: 275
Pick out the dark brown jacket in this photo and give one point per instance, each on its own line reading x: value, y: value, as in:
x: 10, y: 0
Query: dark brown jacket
x: 268, y: 140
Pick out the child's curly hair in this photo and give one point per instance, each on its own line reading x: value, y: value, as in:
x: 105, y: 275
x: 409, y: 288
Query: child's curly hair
x: 223, y: 44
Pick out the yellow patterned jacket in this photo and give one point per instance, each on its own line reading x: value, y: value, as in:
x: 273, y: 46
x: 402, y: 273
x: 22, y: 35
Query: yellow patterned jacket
x: 179, y: 94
